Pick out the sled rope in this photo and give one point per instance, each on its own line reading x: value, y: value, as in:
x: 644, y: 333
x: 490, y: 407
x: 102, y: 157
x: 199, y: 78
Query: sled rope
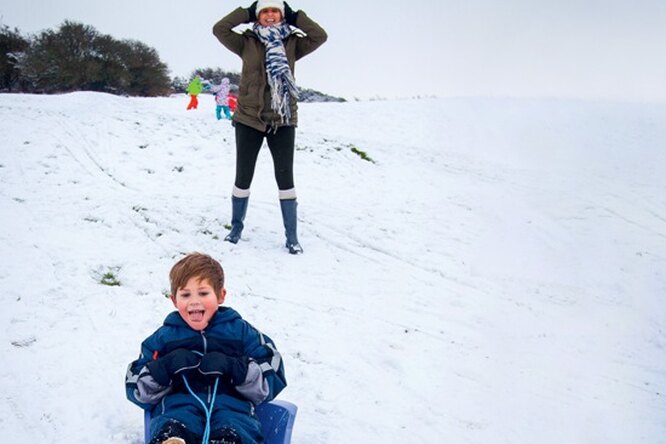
x: 207, y: 409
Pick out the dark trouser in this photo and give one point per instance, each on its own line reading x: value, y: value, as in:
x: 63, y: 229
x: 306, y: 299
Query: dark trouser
x: 281, y: 145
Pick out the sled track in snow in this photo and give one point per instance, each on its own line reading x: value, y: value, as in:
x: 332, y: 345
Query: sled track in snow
x: 353, y: 314
x: 86, y: 147
x: 358, y: 246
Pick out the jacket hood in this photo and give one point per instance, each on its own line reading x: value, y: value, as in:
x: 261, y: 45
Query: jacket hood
x: 224, y: 314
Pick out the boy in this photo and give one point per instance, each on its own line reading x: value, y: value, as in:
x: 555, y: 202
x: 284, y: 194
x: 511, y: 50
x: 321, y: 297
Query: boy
x: 204, y: 370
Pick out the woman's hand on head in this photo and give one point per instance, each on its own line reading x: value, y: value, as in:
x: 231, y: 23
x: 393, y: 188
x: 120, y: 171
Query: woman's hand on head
x: 252, y: 10
x: 289, y: 14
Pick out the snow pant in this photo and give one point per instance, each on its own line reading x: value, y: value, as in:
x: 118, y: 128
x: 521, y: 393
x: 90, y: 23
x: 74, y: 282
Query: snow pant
x: 176, y: 429
x: 219, y: 109
x: 183, y: 413
x: 281, y: 146
x: 194, y: 102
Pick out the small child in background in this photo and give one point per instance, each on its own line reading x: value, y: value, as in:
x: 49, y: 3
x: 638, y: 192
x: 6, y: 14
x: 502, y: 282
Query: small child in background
x: 232, y: 101
x: 194, y: 89
x: 221, y: 92
x: 204, y: 370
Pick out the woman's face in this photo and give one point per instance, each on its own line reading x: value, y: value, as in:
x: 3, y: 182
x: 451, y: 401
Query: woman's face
x: 269, y: 16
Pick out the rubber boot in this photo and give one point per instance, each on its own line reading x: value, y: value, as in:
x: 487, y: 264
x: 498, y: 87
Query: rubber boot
x: 238, y: 210
x: 288, y: 207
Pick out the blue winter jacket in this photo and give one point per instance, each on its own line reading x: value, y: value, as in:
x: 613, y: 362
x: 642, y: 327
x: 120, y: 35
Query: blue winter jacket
x: 234, y: 405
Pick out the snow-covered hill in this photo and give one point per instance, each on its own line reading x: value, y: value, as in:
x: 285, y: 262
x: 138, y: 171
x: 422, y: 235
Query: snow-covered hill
x: 496, y: 273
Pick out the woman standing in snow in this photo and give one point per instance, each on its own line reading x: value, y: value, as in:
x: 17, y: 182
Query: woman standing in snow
x: 267, y: 100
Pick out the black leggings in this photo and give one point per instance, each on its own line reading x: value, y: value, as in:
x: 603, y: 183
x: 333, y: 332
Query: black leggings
x: 281, y: 145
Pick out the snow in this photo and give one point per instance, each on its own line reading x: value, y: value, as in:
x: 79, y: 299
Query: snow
x: 496, y: 275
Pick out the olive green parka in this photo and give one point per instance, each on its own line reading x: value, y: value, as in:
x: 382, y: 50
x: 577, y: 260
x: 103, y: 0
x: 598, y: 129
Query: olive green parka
x: 254, y: 107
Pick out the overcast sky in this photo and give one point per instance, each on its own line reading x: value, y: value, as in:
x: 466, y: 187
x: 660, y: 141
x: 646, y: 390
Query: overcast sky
x: 401, y: 48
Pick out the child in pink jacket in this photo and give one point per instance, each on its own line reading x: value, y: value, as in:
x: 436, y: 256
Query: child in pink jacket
x: 221, y: 92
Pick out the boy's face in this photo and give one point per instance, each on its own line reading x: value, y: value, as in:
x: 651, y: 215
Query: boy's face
x: 197, y: 302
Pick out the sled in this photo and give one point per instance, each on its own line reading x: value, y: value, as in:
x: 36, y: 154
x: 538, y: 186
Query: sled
x: 276, y: 417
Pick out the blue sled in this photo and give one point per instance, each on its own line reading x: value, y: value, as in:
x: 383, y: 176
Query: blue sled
x: 276, y: 417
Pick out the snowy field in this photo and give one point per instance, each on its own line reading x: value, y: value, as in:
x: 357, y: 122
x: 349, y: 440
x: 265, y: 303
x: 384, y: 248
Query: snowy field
x: 497, y: 274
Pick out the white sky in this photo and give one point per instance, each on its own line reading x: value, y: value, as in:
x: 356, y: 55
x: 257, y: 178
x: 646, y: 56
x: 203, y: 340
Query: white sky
x: 573, y: 48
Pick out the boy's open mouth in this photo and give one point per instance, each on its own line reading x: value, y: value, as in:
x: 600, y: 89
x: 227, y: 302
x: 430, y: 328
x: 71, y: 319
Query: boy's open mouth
x: 196, y: 315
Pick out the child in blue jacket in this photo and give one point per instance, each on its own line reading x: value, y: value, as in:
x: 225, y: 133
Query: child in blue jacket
x: 204, y: 370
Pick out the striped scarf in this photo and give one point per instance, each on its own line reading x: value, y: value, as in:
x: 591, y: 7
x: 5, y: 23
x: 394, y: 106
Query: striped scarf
x: 280, y: 78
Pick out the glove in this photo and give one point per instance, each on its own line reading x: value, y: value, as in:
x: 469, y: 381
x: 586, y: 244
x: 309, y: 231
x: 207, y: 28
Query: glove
x: 252, y: 10
x: 290, y: 15
x: 174, y: 363
x: 218, y: 364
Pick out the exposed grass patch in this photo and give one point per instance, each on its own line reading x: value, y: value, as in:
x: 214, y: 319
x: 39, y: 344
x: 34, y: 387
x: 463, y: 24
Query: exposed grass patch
x: 362, y: 154
x: 108, y: 276
x: 207, y: 232
x: 22, y: 343
x: 110, y: 279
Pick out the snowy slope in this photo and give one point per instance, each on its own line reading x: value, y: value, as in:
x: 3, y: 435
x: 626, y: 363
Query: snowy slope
x: 497, y: 275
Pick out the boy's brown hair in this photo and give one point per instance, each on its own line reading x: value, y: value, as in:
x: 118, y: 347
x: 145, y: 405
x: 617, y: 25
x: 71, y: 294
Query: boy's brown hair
x: 196, y: 265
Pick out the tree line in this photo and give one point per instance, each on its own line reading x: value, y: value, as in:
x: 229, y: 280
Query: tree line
x: 76, y: 57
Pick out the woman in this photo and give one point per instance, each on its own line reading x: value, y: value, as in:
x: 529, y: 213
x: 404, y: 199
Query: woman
x: 267, y: 106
